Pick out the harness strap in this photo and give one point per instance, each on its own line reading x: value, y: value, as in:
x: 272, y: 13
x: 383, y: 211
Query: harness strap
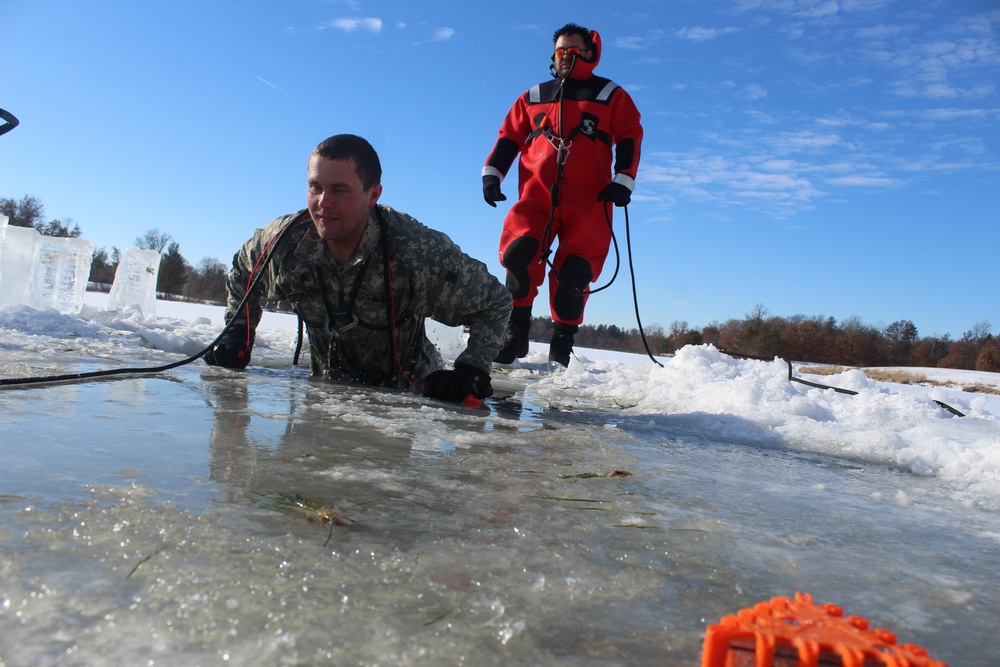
x: 390, y: 314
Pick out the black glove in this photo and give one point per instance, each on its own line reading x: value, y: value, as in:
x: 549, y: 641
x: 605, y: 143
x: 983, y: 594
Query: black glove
x: 233, y: 351
x: 616, y: 193
x: 491, y: 190
x: 456, y: 385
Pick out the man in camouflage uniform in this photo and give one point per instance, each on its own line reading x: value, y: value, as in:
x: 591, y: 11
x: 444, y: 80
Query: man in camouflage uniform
x: 363, y: 278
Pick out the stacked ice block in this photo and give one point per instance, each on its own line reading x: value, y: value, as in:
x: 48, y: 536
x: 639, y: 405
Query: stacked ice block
x: 49, y: 272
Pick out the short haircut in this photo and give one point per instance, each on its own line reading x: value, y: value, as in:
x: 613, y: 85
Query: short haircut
x: 575, y: 29
x: 353, y: 147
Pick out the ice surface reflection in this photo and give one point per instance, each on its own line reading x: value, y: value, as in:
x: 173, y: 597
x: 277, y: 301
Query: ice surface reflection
x: 137, y: 528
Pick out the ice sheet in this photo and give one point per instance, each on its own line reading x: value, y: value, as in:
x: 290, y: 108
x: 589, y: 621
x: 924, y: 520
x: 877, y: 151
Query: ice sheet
x: 138, y: 515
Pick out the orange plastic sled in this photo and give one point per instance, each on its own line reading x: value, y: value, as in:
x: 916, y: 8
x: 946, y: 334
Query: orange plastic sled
x: 799, y: 633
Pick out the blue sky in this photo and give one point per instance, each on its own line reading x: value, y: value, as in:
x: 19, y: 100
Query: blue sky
x: 819, y: 157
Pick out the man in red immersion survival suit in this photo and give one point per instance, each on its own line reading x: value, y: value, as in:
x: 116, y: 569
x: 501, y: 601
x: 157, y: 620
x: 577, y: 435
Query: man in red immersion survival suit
x: 564, y: 130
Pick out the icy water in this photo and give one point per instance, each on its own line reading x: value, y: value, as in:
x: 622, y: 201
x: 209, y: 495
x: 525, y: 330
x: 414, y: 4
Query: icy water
x: 139, y: 525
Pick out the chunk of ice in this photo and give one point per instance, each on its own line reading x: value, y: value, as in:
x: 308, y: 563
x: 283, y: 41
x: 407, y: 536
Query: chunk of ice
x: 135, y: 281
x: 61, y: 273
x: 18, y: 257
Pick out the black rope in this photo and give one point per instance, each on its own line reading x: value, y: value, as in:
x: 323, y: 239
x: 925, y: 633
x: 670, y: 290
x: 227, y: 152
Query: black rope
x: 554, y: 188
x: 618, y: 257
x: 394, y: 365
x: 298, y: 342
x: 635, y: 297
x: 72, y: 377
x: 839, y: 390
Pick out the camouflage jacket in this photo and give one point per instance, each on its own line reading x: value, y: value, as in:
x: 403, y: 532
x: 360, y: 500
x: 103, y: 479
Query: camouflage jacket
x: 355, y: 333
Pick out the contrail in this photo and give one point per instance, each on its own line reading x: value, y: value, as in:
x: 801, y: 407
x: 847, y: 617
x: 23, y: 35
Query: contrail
x: 273, y: 86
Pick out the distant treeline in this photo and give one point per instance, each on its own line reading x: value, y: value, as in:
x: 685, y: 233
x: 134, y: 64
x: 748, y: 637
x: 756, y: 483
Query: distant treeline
x: 816, y: 339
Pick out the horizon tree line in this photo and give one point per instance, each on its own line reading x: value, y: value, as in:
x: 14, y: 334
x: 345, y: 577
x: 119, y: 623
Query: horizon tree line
x: 817, y: 339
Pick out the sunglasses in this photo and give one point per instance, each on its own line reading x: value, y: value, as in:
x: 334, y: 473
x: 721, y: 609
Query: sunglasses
x: 565, y: 53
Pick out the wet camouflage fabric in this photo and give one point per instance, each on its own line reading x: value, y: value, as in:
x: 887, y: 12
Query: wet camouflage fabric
x: 430, y: 277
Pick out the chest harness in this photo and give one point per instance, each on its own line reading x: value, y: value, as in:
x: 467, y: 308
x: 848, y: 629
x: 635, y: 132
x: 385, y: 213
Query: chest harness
x: 562, y: 145
x: 340, y: 322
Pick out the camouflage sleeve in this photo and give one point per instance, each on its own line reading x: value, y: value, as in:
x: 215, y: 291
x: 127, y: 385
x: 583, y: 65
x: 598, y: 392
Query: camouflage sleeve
x: 244, y: 262
x: 453, y: 288
x: 482, y: 303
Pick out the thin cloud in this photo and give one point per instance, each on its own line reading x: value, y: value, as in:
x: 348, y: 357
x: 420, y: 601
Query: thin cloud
x: 810, y: 9
x: 352, y: 25
x: 637, y: 41
x: 879, y: 32
x: 629, y: 42
x: 817, y: 10
x: 960, y: 114
x: 804, y: 140
x: 443, y: 34
x: 865, y: 5
x: 700, y: 34
x: 784, y: 173
x: 779, y: 174
x: 947, y: 66
x: 754, y: 91
x: 732, y: 180
x: 862, y: 181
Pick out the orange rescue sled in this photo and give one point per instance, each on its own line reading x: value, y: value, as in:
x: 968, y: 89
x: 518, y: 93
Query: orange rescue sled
x: 799, y: 633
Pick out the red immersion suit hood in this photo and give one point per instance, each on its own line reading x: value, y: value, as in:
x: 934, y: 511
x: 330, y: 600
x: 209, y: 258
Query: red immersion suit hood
x: 584, y: 69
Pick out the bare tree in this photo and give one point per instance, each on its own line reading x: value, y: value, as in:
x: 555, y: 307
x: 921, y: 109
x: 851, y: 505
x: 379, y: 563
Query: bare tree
x: 154, y: 239
x: 980, y: 331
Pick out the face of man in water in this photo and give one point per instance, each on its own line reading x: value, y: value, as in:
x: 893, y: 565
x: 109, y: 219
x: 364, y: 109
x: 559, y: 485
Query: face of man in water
x: 339, y: 204
x: 564, y: 63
